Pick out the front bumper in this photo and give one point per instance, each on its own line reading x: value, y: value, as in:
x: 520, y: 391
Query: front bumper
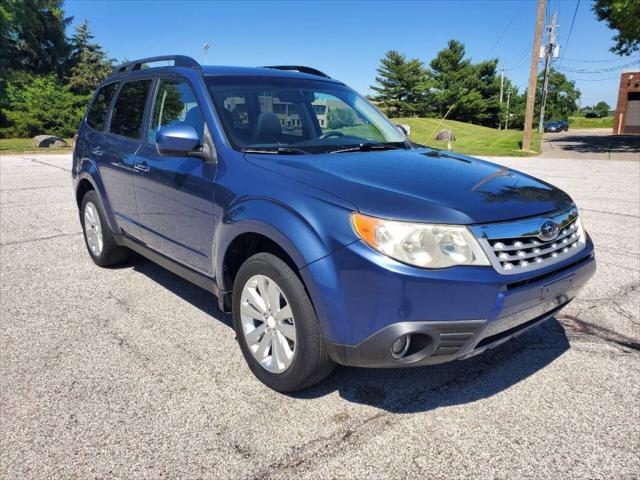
x: 365, y: 301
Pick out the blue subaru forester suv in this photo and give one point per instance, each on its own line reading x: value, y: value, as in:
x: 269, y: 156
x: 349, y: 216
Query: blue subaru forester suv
x: 329, y: 236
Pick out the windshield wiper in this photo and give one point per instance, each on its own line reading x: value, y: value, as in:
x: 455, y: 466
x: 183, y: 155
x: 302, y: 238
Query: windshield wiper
x: 278, y: 150
x: 368, y: 147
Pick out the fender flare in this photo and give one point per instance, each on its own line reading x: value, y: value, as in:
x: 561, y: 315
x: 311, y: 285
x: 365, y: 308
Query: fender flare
x: 89, y: 171
x: 247, y: 216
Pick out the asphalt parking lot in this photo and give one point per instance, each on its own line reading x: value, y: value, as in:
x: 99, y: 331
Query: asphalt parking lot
x: 591, y: 144
x: 132, y: 372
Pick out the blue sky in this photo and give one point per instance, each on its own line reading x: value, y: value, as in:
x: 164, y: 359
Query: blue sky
x: 347, y: 39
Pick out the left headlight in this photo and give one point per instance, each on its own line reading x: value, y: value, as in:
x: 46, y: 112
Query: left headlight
x: 420, y: 244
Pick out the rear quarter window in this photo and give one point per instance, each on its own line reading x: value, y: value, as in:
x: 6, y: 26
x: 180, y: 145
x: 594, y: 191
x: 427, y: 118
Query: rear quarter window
x: 128, y: 111
x: 98, y: 109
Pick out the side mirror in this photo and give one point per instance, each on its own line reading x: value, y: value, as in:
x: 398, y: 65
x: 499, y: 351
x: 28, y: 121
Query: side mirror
x: 178, y: 140
x: 404, y: 129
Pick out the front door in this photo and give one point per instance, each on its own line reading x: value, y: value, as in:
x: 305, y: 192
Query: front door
x: 175, y: 194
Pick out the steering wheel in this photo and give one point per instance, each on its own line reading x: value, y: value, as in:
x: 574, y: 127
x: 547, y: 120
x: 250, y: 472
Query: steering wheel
x: 332, y: 133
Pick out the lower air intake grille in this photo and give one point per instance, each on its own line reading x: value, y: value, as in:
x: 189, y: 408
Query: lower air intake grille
x: 452, y: 339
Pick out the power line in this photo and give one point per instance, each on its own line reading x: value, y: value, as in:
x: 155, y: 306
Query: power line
x: 504, y: 31
x: 608, y: 60
x: 566, y: 44
x: 520, y: 60
x: 598, y: 70
x: 605, y: 79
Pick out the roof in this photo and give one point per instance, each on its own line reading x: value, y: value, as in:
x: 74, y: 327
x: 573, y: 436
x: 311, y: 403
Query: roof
x: 137, y: 67
x: 217, y: 70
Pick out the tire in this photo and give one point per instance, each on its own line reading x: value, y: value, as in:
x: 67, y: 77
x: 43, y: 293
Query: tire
x: 97, y: 234
x: 309, y: 361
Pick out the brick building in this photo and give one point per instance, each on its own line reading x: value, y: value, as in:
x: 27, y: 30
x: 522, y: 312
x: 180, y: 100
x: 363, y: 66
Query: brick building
x: 628, y: 108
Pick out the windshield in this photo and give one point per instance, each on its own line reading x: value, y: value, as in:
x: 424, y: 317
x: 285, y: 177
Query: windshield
x: 289, y: 115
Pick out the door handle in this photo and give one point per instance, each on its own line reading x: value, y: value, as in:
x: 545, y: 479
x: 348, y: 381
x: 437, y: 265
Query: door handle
x: 97, y: 151
x: 141, y: 167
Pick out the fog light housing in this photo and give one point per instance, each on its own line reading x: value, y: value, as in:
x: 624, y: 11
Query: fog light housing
x: 400, y: 347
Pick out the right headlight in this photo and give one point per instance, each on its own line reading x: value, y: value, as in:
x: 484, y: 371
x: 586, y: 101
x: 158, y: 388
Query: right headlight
x: 420, y: 244
x: 580, y: 231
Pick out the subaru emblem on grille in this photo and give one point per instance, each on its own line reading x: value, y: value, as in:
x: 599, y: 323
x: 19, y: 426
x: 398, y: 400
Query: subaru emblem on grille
x: 548, y: 230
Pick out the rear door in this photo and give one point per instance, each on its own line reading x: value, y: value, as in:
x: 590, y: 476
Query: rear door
x: 118, y: 149
x: 175, y: 194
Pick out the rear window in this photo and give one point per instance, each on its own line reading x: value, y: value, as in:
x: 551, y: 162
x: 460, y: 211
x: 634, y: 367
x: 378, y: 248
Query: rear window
x: 98, y: 109
x: 128, y: 111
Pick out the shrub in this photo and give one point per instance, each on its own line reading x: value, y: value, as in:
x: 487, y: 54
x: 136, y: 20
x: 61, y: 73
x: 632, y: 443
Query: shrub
x: 40, y: 104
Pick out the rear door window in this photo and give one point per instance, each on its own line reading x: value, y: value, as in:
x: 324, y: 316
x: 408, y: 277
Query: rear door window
x: 128, y: 111
x: 175, y: 104
x: 98, y: 109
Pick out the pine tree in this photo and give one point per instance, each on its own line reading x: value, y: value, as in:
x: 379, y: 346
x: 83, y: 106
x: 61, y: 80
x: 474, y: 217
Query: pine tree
x: 89, y: 63
x: 401, y: 85
x: 470, y: 90
x: 33, y: 36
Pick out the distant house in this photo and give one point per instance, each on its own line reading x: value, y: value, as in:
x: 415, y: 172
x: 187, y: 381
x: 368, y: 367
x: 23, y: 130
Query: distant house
x: 627, y: 119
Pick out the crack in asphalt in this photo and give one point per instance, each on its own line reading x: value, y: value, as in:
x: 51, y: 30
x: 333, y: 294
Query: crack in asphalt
x: 314, y: 451
x: 31, y: 188
x: 34, y: 160
x: 130, y: 310
x: 579, y: 325
x: 326, y: 447
x: 33, y: 204
x: 609, y: 213
x: 40, y: 239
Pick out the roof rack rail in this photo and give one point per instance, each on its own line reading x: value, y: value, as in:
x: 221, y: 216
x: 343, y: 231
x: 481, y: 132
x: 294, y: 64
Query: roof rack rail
x: 299, y: 68
x: 178, y: 61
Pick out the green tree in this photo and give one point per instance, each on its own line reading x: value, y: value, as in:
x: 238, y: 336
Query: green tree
x: 89, y: 64
x: 41, y: 104
x: 562, y: 96
x: 517, y: 103
x: 623, y: 16
x: 338, y: 118
x: 400, y: 85
x: 602, y: 108
x: 470, y: 91
x: 33, y: 36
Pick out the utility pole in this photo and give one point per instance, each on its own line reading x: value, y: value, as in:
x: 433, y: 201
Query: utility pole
x: 533, y: 77
x: 501, y: 90
x: 551, y: 40
x: 506, y: 117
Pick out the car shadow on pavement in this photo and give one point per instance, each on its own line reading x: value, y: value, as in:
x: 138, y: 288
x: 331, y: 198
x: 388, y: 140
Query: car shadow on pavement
x: 196, y: 296
x: 410, y: 390
x: 596, y: 143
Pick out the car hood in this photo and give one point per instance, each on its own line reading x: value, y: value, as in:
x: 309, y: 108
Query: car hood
x: 422, y: 185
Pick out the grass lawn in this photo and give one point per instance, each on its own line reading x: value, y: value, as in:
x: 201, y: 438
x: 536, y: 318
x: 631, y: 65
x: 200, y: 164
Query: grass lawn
x: 470, y: 139
x: 23, y: 145
x: 582, y: 122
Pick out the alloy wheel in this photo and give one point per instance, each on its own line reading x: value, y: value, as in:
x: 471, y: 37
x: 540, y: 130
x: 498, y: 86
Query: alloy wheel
x: 267, y: 323
x: 93, y: 229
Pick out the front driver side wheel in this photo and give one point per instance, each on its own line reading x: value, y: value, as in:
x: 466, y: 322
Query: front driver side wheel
x: 276, y: 325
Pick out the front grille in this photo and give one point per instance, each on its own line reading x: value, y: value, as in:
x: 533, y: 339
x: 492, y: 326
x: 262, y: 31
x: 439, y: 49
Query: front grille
x: 522, y: 251
x: 517, y: 246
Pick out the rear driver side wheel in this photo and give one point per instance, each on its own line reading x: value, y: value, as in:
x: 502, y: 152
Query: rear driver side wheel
x: 101, y: 244
x: 276, y: 325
